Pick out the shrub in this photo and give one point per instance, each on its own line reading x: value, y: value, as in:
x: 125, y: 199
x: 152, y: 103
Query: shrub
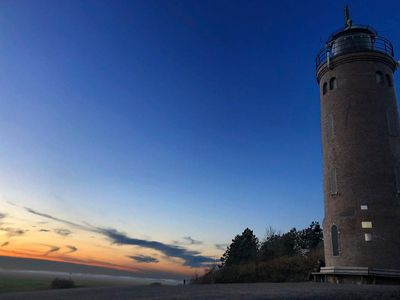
x: 296, y: 268
x: 236, y: 273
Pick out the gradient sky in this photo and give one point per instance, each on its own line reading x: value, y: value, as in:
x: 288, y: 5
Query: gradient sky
x: 143, y: 135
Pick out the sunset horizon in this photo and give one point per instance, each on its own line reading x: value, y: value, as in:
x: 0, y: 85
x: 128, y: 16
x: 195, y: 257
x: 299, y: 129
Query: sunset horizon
x: 143, y: 136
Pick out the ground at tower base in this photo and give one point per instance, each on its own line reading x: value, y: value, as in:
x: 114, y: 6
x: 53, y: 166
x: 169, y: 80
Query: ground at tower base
x: 294, y: 290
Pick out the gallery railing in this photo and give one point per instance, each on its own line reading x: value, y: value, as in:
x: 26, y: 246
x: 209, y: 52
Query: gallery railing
x: 354, y: 43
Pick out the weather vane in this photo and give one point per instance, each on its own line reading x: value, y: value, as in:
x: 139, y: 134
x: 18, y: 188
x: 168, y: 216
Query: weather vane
x: 347, y: 20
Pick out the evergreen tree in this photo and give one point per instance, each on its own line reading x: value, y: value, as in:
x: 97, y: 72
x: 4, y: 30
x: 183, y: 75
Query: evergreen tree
x: 277, y: 245
x: 244, y: 248
x: 291, y: 243
x: 309, y: 238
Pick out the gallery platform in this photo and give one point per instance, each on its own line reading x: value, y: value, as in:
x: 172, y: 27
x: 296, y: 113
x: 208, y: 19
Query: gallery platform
x: 357, y: 275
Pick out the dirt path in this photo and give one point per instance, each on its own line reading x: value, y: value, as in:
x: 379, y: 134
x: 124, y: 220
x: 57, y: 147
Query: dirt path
x: 307, y: 290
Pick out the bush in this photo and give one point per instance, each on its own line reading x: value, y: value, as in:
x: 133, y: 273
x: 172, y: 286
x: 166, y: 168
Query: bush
x: 236, y: 273
x: 296, y: 268
x: 60, y: 283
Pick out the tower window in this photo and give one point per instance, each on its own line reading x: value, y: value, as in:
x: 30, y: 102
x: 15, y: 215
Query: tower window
x: 333, y: 183
x: 331, y: 128
x: 335, y: 240
x: 332, y: 83
x: 389, y: 80
x: 379, y: 77
x: 368, y: 237
x: 324, y: 88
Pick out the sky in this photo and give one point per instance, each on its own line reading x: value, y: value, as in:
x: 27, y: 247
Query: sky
x: 144, y: 135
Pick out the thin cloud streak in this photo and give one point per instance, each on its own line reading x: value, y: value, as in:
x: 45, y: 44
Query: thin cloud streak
x: 72, y: 249
x: 52, y: 249
x: 63, y: 232
x: 192, y: 241
x: 144, y: 259
x: 13, y: 231
x: 190, y: 258
x: 56, y: 219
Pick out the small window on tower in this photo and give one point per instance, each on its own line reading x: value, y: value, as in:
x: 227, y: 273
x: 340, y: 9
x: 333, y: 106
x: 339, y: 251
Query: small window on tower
x: 335, y: 240
x: 333, y: 183
x: 379, y: 77
x: 324, y: 88
x: 332, y: 83
x: 389, y: 80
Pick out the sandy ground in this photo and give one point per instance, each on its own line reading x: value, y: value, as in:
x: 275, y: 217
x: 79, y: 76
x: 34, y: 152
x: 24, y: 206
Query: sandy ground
x: 307, y: 290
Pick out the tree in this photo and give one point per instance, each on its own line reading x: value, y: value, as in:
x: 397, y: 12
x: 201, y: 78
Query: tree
x: 278, y: 245
x: 291, y: 243
x: 244, y: 248
x: 309, y: 238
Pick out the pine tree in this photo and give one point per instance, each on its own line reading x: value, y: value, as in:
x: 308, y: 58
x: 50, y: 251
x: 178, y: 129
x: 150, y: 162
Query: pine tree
x: 244, y: 248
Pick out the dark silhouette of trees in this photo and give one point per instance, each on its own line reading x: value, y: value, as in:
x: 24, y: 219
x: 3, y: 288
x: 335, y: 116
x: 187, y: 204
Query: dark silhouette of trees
x: 291, y: 243
x: 244, y: 248
x: 277, y: 245
x: 309, y: 238
x: 290, y: 256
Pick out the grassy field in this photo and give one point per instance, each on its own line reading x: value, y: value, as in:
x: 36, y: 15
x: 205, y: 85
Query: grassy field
x: 19, y: 284
x: 247, y: 291
x: 32, y: 282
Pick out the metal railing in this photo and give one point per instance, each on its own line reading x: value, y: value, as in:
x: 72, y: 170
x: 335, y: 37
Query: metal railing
x: 354, y: 43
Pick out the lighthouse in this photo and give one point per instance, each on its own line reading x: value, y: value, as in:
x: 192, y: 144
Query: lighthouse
x: 361, y: 156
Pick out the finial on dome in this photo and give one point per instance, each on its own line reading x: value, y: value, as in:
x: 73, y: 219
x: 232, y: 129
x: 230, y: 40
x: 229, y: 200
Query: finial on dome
x: 347, y: 20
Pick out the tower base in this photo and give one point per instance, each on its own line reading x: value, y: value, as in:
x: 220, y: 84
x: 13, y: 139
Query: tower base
x: 357, y: 275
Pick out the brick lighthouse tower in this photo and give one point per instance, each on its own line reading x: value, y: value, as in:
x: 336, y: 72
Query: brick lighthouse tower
x: 361, y: 156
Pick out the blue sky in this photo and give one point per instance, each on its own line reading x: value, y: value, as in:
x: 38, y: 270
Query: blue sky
x: 168, y: 119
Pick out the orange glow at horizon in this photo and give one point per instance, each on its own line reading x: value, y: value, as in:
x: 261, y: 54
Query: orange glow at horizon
x: 81, y: 247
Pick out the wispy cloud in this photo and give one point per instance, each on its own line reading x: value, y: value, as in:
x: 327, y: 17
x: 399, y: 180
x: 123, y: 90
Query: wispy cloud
x: 2, y: 216
x: 63, y: 231
x: 52, y: 249
x: 44, y: 230
x: 189, y: 257
x: 5, y: 244
x: 56, y: 219
x: 13, y: 231
x: 71, y: 249
x: 192, y: 241
x: 144, y: 259
x: 221, y: 246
